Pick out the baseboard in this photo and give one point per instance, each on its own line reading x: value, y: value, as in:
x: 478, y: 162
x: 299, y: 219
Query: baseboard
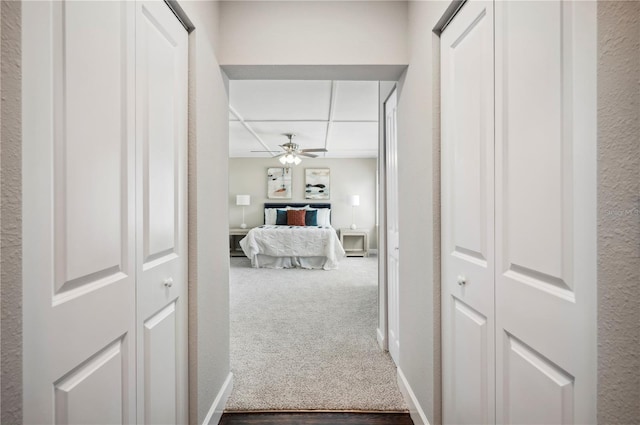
x: 215, y: 411
x: 381, y: 341
x: 415, y: 410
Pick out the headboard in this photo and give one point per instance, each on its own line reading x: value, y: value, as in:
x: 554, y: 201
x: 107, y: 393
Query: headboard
x: 297, y: 205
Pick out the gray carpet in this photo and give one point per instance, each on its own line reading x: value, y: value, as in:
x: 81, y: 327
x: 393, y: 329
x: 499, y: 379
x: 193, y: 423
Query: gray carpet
x: 306, y: 340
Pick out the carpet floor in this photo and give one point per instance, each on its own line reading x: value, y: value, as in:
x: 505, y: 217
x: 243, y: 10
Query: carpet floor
x: 306, y: 340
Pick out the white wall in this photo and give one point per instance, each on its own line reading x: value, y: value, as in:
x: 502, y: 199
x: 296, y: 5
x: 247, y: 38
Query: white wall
x: 419, y: 225
x: 209, y: 364
x: 248, y: 176
x: 313, y: 32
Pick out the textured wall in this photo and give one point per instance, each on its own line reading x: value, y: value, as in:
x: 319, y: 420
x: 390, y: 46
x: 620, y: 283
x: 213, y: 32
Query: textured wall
x: 11, y: 214
x: 208, y: 235
x: 348, y: 177
x: 619, y: 212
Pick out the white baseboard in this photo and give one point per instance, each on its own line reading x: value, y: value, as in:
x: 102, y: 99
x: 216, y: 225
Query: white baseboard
x: 417, y: 414
x: 381, y: 341
x: 215, y: 411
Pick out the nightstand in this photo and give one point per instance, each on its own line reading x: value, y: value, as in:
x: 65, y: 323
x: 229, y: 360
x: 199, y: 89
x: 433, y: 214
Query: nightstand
x: 355, y: 242
x: 235, y: 236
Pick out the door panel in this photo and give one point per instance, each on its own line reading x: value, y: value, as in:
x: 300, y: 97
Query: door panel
x: 160, y: 142
x: 393, y: 235
x: 548, y: 388
x: 536, y: 205
x: 161, y: 128
x: 103, y: 374
x: 467, y: 216
x: 546, y: 212
x: 90, y: 145
x: 160, y: 365
x: 78, y: 222
x: 470, y: 374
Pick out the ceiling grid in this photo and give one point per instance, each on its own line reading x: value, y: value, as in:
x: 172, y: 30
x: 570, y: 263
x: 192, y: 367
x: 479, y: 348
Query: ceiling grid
x: 339, y: 115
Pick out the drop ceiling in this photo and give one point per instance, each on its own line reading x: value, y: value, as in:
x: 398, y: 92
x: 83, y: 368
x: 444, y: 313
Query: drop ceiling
x: 341, y: 116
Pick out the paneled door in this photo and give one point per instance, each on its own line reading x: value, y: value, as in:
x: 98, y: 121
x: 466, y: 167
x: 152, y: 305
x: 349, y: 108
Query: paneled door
x: 78, y: 212
x: 393, y: 237
x: 161, y: 181
x: 546, y: 212
x: 467, y: 216
x: 543, y: 338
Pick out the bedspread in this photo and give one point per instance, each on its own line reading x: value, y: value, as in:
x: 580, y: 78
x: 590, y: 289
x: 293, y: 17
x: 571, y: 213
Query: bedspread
x: 293, y: 241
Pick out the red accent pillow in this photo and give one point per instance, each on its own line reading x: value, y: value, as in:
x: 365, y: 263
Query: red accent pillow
x: 296, y: 217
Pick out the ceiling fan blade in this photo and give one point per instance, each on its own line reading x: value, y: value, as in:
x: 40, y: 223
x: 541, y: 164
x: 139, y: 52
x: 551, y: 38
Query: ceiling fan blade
x: 314, y: 150
x: 310, y: 155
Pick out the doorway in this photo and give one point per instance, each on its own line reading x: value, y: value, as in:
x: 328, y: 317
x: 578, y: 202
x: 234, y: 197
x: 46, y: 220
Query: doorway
x: 347, y: 123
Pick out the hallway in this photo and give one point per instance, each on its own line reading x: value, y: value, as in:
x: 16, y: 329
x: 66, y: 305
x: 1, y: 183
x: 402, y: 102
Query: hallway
x: 115, y: 204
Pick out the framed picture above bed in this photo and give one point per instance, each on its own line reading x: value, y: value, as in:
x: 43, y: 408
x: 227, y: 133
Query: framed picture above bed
x: 279, y: 183
x: 317, y: 183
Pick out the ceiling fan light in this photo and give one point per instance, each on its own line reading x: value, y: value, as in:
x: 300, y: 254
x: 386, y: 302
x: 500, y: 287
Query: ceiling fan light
x: 297, y: 160
x: 289, y: 159
x: 283, y: 160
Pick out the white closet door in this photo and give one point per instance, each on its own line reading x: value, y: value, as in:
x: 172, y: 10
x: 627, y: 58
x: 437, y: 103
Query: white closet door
x: 546, y: 212
x: 467, y: 216
x: 161, y: 146
x: 393, y: 239
x: 78, y: 212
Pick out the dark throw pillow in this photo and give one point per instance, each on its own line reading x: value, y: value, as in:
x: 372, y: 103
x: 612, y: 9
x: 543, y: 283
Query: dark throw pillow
x: 311, y: 218
x: 281, y: 218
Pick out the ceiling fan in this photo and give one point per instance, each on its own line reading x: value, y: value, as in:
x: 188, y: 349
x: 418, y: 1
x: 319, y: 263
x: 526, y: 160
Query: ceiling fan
x: 292, y: 152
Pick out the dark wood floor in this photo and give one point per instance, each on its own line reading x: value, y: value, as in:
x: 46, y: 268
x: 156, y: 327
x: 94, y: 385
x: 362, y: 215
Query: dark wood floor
x: 315, y: 418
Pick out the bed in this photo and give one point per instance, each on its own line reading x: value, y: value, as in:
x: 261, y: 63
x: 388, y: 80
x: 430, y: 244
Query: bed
x: 283, y: 246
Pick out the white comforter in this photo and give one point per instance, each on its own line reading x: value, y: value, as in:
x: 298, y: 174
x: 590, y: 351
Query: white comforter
x: 293, y: 241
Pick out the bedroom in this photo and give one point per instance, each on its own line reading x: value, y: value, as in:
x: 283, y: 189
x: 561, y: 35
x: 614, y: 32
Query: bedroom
x: 341, y: 117
x: 341, y: 187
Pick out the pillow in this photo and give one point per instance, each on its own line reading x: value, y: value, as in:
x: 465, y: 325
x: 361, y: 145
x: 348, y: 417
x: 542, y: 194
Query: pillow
x: 270, y: 215
x: 296, y: 217
x: 281, y: 218
x: 311, y: 218
x: 324, y: 217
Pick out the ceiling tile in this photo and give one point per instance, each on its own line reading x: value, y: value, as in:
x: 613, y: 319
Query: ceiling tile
x: 241, y: 141
x: 353, y: 136
x: 356, y: 101
x: 264, y: 100
x: 308, y: 135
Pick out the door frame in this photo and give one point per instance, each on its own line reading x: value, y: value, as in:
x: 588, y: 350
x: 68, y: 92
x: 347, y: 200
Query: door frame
x: 383, y: 278
x: 382, y: 332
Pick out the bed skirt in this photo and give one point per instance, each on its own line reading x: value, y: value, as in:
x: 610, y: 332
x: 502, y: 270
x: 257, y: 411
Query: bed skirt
x: 269, y: 262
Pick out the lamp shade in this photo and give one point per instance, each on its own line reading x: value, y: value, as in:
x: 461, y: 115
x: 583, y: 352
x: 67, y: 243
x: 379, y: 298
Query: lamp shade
x: 354, y: 200
x: 243, y: 199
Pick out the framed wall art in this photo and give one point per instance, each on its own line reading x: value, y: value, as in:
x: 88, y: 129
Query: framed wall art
x: 279, y: 183
x: 317, y: 183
